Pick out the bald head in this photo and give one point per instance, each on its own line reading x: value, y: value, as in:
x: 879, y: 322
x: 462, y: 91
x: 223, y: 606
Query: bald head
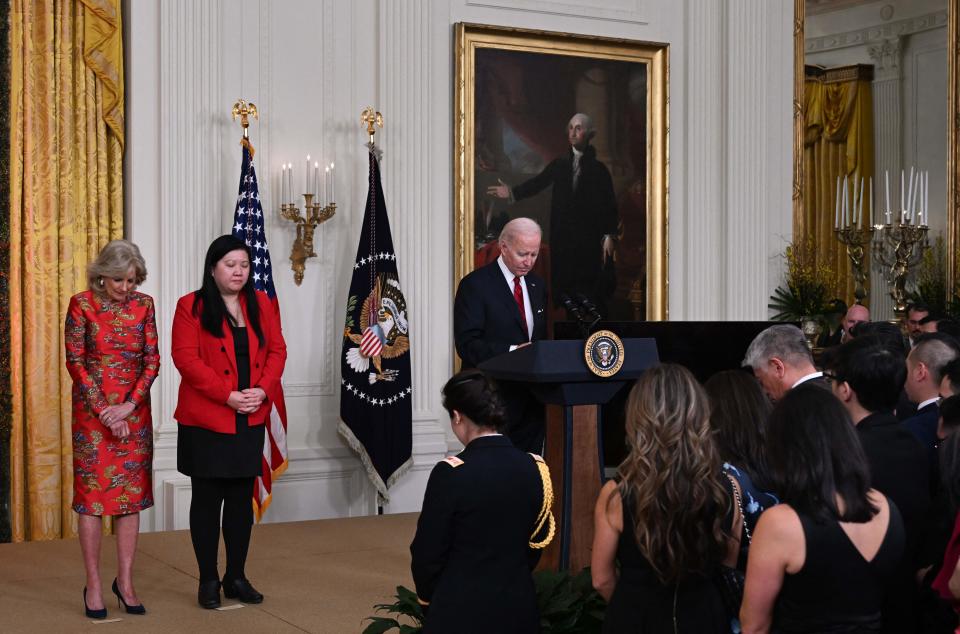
x: 520, y: 227
x: 856, y: 314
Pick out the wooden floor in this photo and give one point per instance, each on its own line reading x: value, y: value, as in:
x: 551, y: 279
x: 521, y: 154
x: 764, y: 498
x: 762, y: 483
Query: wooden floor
x: 320, y: 576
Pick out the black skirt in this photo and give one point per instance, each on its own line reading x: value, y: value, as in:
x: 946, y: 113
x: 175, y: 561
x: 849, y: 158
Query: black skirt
x: 202, y: 453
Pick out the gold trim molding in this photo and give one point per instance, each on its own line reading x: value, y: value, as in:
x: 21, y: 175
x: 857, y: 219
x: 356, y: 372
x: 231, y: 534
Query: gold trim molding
x: 469, y: 38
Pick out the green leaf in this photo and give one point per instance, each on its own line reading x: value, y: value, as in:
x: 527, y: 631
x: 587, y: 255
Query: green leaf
x: 380, y: 625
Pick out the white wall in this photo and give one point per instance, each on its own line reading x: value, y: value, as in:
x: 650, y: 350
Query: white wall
x: 311, y: 67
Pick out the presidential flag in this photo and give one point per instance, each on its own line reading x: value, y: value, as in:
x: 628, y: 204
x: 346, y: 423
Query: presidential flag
x: 248, y: 226
x: 375, y: 394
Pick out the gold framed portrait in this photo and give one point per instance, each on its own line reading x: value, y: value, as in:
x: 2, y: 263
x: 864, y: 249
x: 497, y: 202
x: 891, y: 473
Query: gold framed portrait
x: 518, y: 93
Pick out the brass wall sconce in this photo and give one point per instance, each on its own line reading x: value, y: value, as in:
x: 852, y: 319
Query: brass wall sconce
x: 315, y: 211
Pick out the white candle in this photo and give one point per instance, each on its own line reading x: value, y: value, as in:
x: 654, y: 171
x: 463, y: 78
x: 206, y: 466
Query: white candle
x: 860, y: 208
x: 306, y: 175
x: 903, y: 204
x: 886, y: 180
x: 870, y: 216
x: 332, y: 181
x: 316, y: 182
x: 283, y: 184
x: 910, y: 194
x: 290, y: 196
x: 913, y: 198
x: 843, y: 215
x: 327, y: 198
x: 926, y: 197
x: 836, y: 209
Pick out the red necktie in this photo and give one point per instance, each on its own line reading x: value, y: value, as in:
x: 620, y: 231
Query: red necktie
x: 518, y: 296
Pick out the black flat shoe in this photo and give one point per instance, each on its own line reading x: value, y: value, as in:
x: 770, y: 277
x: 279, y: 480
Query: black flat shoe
x: 208, y: 596
x: 93, y: 614
x: 241, y: 589
x: 131, y: 609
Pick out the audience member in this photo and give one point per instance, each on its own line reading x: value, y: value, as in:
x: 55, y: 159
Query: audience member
x: 738, y: 414
x: 781, y: 360
x: 915, y: 313
x: 856, y: 314
x: 947, y: 581
x: 867, y: 377
x: 801, y: 560
x: 950, y: 378
x: 663, y: 523
x: 931, y: 352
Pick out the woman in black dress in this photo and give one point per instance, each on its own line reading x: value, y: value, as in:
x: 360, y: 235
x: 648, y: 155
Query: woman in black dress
x: 668, y: 517
x: 821, y: 560
x: 486, y: 514
x: 230, y: 352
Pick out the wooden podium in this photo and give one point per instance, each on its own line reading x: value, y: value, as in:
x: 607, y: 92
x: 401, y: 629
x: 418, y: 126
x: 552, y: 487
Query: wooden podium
x: 556, y: 373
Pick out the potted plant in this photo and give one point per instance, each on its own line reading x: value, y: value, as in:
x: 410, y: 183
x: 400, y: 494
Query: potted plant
x: 568, y: 604
x: 807, y: 291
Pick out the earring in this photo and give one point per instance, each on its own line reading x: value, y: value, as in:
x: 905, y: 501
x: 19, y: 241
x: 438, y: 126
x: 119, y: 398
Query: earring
x: 100, y: 282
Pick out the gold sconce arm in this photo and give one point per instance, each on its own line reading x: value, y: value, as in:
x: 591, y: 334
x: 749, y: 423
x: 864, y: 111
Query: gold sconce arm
x: 303, y: 244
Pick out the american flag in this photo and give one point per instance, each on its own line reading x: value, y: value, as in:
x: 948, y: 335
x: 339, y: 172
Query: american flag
x: 248, y: 226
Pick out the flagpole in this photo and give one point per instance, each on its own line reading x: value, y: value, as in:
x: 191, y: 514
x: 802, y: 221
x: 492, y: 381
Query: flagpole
x: 371, y: 118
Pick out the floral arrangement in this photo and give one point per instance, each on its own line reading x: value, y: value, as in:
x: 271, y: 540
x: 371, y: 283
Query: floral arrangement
x: 808, y: 289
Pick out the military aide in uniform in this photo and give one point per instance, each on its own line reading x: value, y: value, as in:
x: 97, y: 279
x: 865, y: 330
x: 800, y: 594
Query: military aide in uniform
x: 483, y: 514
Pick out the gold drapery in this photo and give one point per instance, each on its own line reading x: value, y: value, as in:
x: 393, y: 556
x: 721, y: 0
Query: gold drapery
x: 66, y: 202
x: 838, y: 141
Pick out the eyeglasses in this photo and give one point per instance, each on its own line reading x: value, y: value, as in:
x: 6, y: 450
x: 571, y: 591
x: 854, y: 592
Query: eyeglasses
x: 833, y: 378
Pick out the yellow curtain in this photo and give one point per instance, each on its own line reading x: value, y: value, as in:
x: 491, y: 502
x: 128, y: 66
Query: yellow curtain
x: 838, y: 141
x: 66, y: 202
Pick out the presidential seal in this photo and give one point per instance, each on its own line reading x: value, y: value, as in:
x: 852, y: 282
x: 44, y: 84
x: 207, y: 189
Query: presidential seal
x: 604, y: 353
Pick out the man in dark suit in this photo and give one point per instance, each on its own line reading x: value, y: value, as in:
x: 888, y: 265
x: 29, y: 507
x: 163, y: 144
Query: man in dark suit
x: 499, y: 308
x: 867, y: 378
x: 583, y: 215
x: 931, y: 352
x: 781, y: 360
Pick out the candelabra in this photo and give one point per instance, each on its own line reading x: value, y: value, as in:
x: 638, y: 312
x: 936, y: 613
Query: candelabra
x: 315, y: 214
x: 855, y: 239
x: 898, y: 249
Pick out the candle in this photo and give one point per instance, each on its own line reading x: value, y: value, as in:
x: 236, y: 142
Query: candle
x: 870, y: 217
x: 332, y: 181
x: 282, y: 169
x: 316, y: 182
x: 306, y: 175
x: 843, y: 215
x: 926, y: 197
x: 886, y: 180
x: 860, y: 208
x: 283, y: 184
x: 910, y: 195
x: 326, y: 186
x: 903, y: 204
x: 913, y: 197
x: 836, y: 209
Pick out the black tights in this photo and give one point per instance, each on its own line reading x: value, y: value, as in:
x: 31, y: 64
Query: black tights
x: 234, y: 494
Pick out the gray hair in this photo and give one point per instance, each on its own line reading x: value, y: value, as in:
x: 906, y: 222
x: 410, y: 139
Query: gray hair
x: 118, y: 257
x: 519, y: 227
x: 933, y: 352
x: 587, y: 122
x: 784, y: 341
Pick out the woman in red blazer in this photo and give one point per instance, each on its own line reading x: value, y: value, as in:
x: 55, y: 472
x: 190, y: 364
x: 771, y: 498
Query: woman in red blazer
x: 230, y: 352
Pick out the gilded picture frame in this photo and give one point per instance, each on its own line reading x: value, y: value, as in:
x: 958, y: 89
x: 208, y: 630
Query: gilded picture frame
x: 540, y: 80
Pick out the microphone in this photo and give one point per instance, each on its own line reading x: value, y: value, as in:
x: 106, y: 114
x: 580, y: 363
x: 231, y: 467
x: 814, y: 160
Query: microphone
x: 572, y: 308
x: 589, y: 307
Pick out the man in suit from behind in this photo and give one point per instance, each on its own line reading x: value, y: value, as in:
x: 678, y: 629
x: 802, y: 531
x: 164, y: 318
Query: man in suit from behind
x: 499, y: 308
x: 931, y: 352
x: 867, y: 377
x: 781, y: 360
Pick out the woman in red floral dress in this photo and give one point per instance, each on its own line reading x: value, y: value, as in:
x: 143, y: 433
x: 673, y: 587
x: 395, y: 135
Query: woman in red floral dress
x: 111, y: 349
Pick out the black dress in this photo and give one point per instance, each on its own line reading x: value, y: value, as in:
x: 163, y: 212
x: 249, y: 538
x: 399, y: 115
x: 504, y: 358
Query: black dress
x: 202, y: 453
x: 837, y: 590
x: 642, y: 603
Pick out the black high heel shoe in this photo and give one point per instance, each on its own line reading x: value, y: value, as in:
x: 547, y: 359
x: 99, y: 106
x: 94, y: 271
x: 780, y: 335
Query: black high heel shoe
x: 131, y: 609
x: 93, y: 614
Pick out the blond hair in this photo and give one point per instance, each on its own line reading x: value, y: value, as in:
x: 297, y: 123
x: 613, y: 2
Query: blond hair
x: 671, y: 479
x: 115, y: 259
